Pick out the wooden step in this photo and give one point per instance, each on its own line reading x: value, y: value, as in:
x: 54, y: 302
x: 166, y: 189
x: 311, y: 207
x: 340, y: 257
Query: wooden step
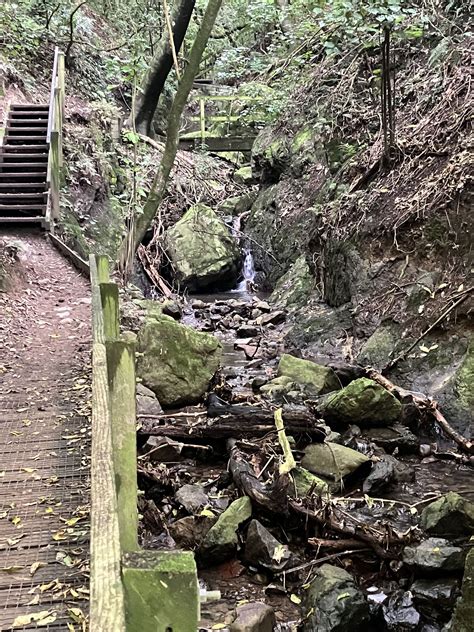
x: 26, y: 123
x: 22, y: 165
x: 23, y: 208
x: 33, y: 113
x: 21, y: 185
x: 25, y: 174
x: 29, y: 106
x: 22, y: 220
x: 22, y: 198
x: 21, y: 139
x: 21, y: 130
x: 41, y: 147
x: 21, y: 156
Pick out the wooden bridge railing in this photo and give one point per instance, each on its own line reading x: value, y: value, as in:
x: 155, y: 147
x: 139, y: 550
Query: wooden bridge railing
x: 132, y: 590
x: 54, y: 136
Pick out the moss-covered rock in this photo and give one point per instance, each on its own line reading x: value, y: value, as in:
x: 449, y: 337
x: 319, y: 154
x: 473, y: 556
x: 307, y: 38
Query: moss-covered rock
x: 202, y: 250
x: 221, y: 540
x: 377, y: 349
x: 306, y: 150
x: 362, y: 402
x: 305, y: 482
x: 176, y: 362
x: 334, y: 461
x: 316, y: 379
x: 244, y: 175
x: 449, y: 515
x: 463, y: 620
x: 237, y: 204
x: 271, y: 155
x: 294, y: 287
x: 464, y: 381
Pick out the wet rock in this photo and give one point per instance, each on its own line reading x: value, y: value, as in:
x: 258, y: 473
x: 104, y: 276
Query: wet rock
x: 263, y: 306
x: 202, y: 250
x: 262, y: 549
x: 449, y: 515
x: 176, y: 362
x: 295, y: 286
x: 464, y: 613
x: 199, y: 305
x: 316, y: 378
x: 221, y: 541
x: 306, y: 483
x: 163, y: 449
x: 238, y: 204
x: 192, y: 497
x: 381, y: 476
x: 245, y: 176
x: 253, y: 617
x: 335, y: 461
x: 189, y: 532
x: 434, y: 555
x: 270, y: 155
x: 147, y: 403
x: 397, y: 437
x: 258, y: 382
x: 400, y: 614
x: 172, y: 308
x: 435, y: 598
x: 363, y: 402
x: 333, y: 603
x: 278, y: 387
x: 247, y: 331
x: 273, y: 318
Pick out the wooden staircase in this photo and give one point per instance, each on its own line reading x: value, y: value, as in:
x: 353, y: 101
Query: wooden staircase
x: 24, y: 165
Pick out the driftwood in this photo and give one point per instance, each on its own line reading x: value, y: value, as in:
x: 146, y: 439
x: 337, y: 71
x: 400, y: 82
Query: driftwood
x: 240, y: 422
x: 425, y: 406
x: 335, y: 545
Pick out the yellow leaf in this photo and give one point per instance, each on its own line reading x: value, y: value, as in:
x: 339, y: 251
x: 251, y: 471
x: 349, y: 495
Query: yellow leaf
x: 207, y: 512
x: 60, y: 535
x: 295, y: 599
x: 42, y: 618
x: 14, y: 541
x: 34, y: 567
x: 16, y: 520
x: 219, y: 626
x: 34, y: 602
x: 11, y: 569
x: 29, y: 470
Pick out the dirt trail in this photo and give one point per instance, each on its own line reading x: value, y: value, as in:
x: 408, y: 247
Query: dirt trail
x: 44, y: 439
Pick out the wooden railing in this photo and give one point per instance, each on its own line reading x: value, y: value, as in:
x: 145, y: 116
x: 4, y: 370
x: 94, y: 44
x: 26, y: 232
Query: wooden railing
x: 131, y: 589
x: 55, y: 137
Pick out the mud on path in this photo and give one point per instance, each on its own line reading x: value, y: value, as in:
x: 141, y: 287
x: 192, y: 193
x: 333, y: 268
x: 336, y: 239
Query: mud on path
x: 44, y: 440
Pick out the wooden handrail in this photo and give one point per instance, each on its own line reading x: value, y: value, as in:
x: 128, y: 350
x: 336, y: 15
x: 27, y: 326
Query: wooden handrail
x: 52, y: 100
x: 54, y: 138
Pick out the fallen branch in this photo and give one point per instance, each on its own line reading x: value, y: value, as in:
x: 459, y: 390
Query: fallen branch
x: 335, y: 545
x: 289, y: 462
x: 426, y: 406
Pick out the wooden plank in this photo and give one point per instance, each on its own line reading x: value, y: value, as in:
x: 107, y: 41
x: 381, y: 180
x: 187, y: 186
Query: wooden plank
x: 122, y: 386
x: 103, y: 274
x: 110, y: 308
x: 97, y: 316
x: 78, y: 261
x: 107, y: 603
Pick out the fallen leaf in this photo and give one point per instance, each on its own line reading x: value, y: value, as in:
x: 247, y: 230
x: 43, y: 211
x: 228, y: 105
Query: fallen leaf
x: 295, y: 599
x: 34, y: 567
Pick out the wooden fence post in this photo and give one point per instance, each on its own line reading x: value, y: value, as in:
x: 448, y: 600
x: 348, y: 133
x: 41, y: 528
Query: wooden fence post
x: 122, y: 385
x: 109, y: 295
x: 202, y: 120
x: 102, y: 262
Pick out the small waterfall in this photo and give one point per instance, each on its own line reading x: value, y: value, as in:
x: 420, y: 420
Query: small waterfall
x: 248, y: 272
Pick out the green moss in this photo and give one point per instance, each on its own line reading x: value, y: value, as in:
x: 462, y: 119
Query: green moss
x: 465, y: 379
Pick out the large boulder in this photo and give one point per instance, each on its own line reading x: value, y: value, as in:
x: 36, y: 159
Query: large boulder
x: 449, y: 515
x: 295, y: 286
x: 362, y: 402
x: 176, y: 362
x: 334, y: 603
x: 334, y: 461
x: 202, y: 250
x: 316, y: 379
x: 221, y: 540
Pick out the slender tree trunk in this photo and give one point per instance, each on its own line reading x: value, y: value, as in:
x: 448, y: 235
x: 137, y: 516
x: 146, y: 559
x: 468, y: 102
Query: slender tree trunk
x: 161, y: 65
x: 160, y: 182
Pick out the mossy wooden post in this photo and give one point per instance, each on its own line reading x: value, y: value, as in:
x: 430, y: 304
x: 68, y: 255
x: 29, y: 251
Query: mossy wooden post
x: 102, y: 263
x: 121, y: 373
x: 161, y: 591
x: 110, y: 305
x: 202, y: 120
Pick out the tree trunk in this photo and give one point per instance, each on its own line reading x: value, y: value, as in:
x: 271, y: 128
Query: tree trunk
x: 160, y: 67
x: 160, y: 181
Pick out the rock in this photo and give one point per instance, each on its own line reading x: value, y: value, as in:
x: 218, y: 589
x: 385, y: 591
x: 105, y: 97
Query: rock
x: 333, y: 603
x: 176, y: 362
x: 400, y: 614
x: 202, y: 251
x: 258, y: 382
x: 245, y: 176
x: 147, y: 403
x: 363, y: 402
x: 278, y: 387
x: 334, y: 461
x: 247, y: 331
x: 305, y: 482
x: 172, y: 308
x: 381, y: 476
x: 199, y: 305
x: 464, y: 614
x: 270, y: 155
x: 449, y: 515
x: 263, y: 306
x: 316, y: 378
x: 221, y: 541
x: 163, y: 449
x: 189, y: 532
x: 192, y: 497
x: 238, y: 204
x: 435, y: 598
x: 253, y: 617
x: 294, y: 287
x: 262, y: 549
x: 434, y: 555
x: 397, y: 437
x: 273, y: 318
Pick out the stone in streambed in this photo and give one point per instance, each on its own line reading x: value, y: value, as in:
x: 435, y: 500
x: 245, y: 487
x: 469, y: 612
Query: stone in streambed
x: 333, y: 603
x: 278, y: 387
x: 396, y: 437
x: 202, y: 250
x: 163, y: 449
x: 221, y: 541
x: 449, y: 515
x: 192, y: 497
x: 305, y: 482
x: 247, y: 331
x: 363, y: 402
x: 295, y: 286
x: 262, y: 549
x: 434, y: 555
x: 381, y: 476
x: 400, y: 614
x: 176, y: 362
x: 189, y: 532
x: 334, y: 461
x: 147, y: 403
x: 316, y: 378
x: 435, y: 598
x: 463, y: 620
x: 253, y: 617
